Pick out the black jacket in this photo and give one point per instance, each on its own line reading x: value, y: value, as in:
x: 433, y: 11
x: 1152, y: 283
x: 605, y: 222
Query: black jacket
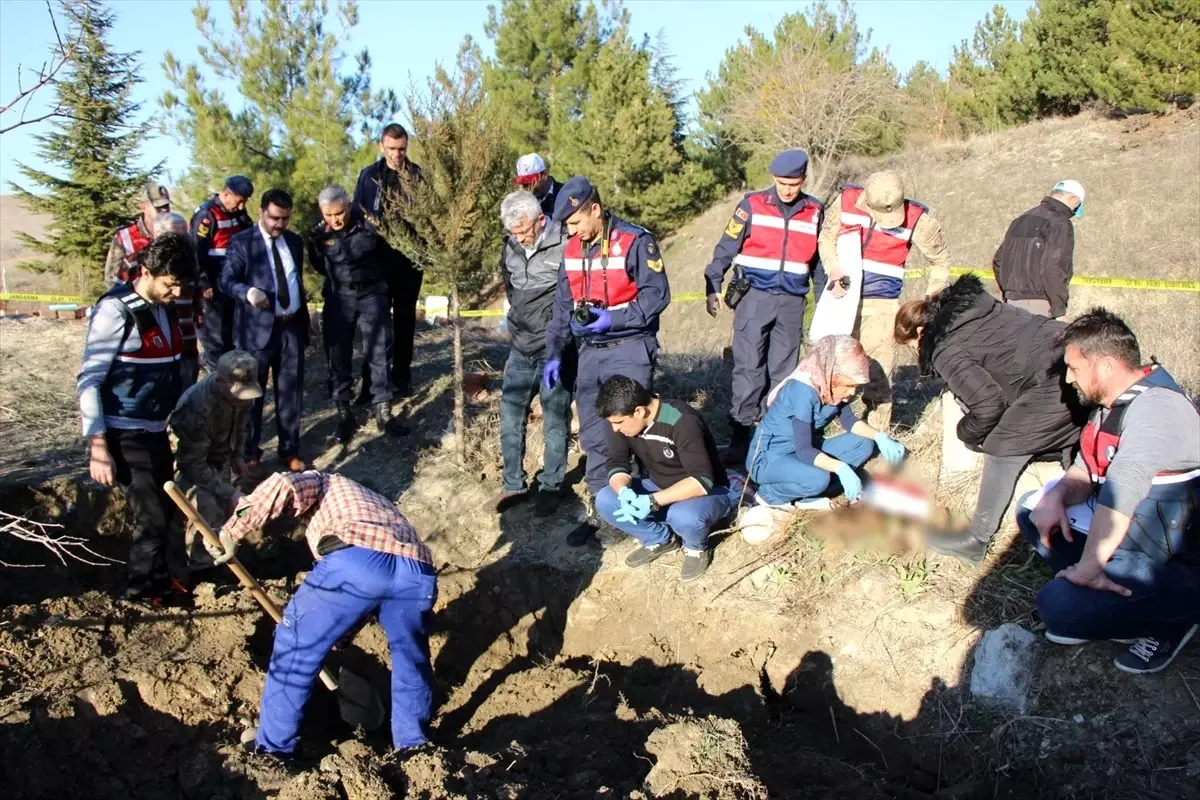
x: 1034, y: 260
x: 1004, y: 365
x: 349, y: 256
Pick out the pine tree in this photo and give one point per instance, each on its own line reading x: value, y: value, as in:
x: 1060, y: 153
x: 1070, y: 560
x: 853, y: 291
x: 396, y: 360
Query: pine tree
x: 996, y: 71
x: 1067, y: 39
x: 448, y: 220
x: 1152, y: 61
x: 94, y: 145
x: 306, y: 116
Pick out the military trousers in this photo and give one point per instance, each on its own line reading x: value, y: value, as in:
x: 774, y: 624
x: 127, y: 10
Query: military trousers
x: 875, y: 330
x: 767, y: 334
x: 633, y: 358
x: 215, y: 331
x: 367, y: 314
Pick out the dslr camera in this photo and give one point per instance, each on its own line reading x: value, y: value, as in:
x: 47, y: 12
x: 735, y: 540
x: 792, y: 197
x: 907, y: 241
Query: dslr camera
x: 583, y: 313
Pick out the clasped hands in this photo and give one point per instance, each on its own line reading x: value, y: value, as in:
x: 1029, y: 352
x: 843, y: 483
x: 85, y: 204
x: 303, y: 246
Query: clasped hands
x: 634, y: 507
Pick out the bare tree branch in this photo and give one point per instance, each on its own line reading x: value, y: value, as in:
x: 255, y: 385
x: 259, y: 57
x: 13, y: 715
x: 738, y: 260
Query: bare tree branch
x: 45, y: 76
x: 63, y: 547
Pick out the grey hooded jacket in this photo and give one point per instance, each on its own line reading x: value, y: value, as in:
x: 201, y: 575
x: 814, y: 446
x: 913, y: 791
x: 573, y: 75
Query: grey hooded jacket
x: 529, y: 282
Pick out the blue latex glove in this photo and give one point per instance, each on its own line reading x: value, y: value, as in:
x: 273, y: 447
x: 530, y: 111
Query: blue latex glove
x: 600, y: 324
x: 626, y: 496
x: 551, y: 372
x: 638, y: 508
x: 623, y: 514
x: 891, y: 450
x: 851, y: 483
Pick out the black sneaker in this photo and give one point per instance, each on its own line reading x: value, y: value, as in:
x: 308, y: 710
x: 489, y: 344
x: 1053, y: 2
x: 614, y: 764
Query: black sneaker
x: 695, y: 564
x: 546, y: 504
x: 1150, y: 654
x: 387, y: 424
x: 644, y: 555
x: 968, y: 548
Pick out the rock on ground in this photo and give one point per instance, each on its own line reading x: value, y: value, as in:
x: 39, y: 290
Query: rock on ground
x: 1004, y: 668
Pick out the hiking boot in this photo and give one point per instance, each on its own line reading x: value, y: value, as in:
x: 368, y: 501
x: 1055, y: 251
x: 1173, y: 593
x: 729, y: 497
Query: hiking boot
x: 386, y: 423
x: 346, y: 424
x: 546, y: 503
x: 644, y: 555
x: 968, y: 548
x: 1071, y: 641
x: 1152, y: 654
x: 695, y: 564
x: 504, y: 500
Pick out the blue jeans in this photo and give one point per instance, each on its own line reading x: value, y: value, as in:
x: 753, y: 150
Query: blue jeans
x: 344, y: 587
x: 782, y: 477
x: 1165, y: 600
x: 523, y: 377
x: 691, y: 519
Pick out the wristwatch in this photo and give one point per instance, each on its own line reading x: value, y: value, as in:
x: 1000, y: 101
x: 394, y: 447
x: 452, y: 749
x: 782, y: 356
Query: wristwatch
x: 654, y: 505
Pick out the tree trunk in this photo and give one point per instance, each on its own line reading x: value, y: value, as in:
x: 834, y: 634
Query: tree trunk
x: 460, y: 432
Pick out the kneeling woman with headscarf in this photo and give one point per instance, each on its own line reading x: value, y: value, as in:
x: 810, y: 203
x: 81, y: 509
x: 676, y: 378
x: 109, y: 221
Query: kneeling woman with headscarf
x: 790, y: 458
x: 1005, y: 368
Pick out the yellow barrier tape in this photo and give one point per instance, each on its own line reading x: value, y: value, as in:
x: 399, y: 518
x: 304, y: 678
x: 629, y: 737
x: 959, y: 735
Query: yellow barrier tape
x: 43, y: 298
x: 1148, y: 284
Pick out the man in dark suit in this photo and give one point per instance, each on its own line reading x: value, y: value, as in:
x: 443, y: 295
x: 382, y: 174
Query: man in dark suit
x: 262, y: 275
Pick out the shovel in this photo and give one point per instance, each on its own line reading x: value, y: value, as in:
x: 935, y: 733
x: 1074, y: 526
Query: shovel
x: 359, y: 705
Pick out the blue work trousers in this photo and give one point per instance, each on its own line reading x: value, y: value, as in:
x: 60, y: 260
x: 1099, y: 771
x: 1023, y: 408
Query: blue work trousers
x: 344, y: 587
x: 783, y: 477
x: 345, y: 313
x: 690, y: 520
x: 633, y: 358
x: 1164, y: 604
x: 522, y: 378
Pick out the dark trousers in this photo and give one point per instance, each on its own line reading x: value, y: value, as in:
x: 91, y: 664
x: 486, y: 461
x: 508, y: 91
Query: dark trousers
x: 144, y: 463
x: 404, y: 290
x: 767, y: 332
x: 633, y: 358
x: 367, y: 314
x: 284, y: 360
x: 1164, y: 604
x: 215, y: 333
x: 522, y: 379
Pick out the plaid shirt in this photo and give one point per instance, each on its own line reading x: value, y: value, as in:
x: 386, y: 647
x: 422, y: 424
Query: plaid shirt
x: 343, y: 508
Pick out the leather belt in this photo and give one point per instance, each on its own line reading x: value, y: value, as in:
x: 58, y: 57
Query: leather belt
x: 286, y: 318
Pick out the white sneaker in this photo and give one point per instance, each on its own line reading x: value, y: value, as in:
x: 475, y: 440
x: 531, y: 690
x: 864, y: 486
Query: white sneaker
x: 1071, y: 641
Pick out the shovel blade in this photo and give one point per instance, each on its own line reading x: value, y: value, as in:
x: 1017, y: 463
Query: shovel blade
x: 359, y: 704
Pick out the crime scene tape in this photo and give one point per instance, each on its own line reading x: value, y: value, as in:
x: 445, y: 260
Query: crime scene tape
x: 1140, y: 284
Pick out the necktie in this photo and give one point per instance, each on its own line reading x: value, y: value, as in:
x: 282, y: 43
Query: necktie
x: 283, y: 294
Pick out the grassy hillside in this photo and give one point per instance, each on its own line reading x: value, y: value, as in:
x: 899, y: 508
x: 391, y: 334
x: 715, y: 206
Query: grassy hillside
x: 1142, y: 176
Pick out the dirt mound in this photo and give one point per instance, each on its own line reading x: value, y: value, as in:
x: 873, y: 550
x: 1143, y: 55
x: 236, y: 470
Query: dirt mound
x: 692, y: 754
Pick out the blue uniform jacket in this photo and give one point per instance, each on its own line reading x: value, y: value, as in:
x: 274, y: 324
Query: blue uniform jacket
x: 640, y: 317
x: 796, y: 402
x: 772, y: 281
x: 248, y: 265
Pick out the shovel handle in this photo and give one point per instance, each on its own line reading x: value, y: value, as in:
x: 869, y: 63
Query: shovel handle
x: 244, y: 577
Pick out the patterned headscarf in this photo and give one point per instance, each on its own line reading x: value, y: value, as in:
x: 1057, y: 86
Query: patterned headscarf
x: 831, y: 355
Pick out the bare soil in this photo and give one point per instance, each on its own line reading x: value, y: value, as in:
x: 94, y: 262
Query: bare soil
x: 812, y: 665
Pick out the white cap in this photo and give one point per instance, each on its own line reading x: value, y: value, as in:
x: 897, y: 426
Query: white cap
x: 1071, y: 187
x: 530, y: 164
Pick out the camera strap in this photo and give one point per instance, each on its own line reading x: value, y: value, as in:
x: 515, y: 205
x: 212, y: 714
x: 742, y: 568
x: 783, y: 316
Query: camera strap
x: 587, y: 275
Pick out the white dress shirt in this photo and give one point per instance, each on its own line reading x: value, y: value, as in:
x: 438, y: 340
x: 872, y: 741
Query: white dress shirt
x: 289, y: 269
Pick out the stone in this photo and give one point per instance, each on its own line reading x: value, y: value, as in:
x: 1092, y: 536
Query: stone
x: 1004, y: 668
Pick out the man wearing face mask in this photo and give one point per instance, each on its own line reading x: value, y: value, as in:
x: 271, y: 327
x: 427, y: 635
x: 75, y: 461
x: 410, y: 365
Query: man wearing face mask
x: 888, y: 224
x: 529, y: 260
x: 771, y: 242
x: 209, y: 425
x: 348, y: 251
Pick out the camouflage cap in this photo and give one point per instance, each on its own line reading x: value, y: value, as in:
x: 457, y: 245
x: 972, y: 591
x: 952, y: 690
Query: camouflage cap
x: 240, y: 370
x: 156, y: 195
x: 883, y: 199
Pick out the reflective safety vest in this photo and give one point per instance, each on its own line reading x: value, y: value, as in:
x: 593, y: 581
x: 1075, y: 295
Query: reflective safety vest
x: 226, y: 224
x: 884, y: 251
x: 185, y: 311
x: 602, y: 279
x: 1161, y: 522
x: 777, y: 251
x: 133, y: 240
x: 143, y: 384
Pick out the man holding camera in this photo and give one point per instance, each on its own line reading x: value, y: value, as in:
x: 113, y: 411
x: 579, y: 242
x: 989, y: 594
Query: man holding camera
x: 612, y: 288
x: 771, y: 241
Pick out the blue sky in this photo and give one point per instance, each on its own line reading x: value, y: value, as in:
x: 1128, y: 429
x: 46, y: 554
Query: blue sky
x: 407, y: 37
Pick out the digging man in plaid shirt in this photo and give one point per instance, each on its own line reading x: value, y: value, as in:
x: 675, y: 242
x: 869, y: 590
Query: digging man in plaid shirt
x: 368, y: 558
